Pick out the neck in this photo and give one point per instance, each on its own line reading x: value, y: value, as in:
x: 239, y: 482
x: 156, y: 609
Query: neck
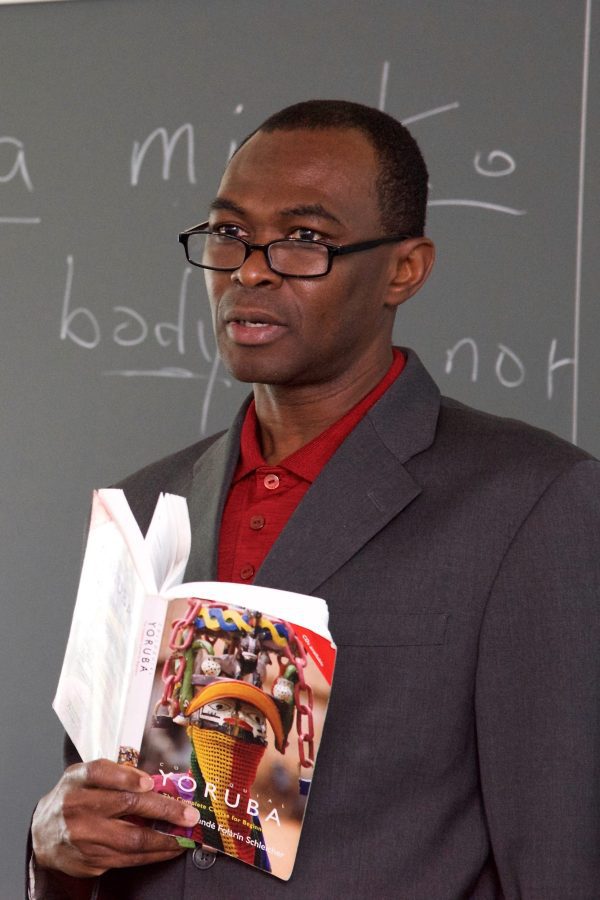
x: 291, y: 417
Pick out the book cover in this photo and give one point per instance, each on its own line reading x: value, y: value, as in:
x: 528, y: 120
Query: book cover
x: 234, y: 726
x: 217, y: 690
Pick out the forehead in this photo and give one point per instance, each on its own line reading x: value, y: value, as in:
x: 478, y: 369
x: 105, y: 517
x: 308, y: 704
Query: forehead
x: 334, y: 168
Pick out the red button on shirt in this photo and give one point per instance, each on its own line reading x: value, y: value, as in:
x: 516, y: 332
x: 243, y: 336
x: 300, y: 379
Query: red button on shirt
x: 242, y: 549
x: 257, y: 522
x: 246, y: 572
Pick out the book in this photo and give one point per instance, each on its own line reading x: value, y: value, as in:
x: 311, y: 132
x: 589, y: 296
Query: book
x: 218, y: 690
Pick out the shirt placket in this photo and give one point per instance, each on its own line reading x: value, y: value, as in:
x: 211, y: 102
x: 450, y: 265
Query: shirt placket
x: 269, y: 484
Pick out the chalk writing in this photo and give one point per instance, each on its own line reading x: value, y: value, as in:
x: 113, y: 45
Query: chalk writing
x: 18, y: 169
x: 451, y: 353
x: 507, y: 163
x: 130, y: 327
x: 81, y: 326
x: 83, y: 316
x: 408, y: 120
x: 554, y: 364
x: 233, y: 144
x: 168, y: 144
x: 19, y: 166
x: 501, y: 364
x: 492, y: 159
x: 212, y: 379
x: 509, y: 368
x: 20, y: 220
x: 385, y: 71
x: 495, y: 207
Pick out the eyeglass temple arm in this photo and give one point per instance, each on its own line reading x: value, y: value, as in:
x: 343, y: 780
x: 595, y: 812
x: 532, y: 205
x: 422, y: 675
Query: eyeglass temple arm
x: 193, y: 230
x: 368, y: 245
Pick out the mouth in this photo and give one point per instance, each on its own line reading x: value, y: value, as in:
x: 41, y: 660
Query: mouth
x: 251, y: 317
x: 252, y: 329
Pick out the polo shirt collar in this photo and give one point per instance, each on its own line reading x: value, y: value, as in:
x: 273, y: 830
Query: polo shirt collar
x: 306, y: 462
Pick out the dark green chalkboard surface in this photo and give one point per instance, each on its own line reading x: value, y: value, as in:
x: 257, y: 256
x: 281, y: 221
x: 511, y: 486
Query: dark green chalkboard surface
x: 116, y: 119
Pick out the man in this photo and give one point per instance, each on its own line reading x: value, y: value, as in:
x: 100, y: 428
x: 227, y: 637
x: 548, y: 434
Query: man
x: 457, y: 552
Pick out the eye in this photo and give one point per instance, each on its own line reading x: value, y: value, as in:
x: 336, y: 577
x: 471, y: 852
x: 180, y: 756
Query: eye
x: 227, y: 228
x: 306, y: 234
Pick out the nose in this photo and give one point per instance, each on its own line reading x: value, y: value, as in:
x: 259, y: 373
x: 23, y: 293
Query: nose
x: 255, y: 271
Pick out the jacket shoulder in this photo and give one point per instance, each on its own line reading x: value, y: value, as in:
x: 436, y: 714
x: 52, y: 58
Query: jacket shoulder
x: 172, y: 474
x: 502, y: 444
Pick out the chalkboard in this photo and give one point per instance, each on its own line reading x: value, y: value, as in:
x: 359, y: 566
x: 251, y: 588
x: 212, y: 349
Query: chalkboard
x: 116, y: 119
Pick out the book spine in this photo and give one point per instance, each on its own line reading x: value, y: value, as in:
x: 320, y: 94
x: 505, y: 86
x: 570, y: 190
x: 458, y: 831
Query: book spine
x: 139, y: 694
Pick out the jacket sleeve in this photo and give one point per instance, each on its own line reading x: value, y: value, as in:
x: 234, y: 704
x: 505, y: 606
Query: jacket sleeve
x: 537, y: 697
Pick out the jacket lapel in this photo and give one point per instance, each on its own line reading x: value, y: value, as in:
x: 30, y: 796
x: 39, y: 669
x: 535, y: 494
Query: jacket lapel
x: 212, y: 476
x: 361, y: 488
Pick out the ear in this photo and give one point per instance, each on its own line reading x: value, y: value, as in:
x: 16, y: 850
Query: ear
x: 411, y: 265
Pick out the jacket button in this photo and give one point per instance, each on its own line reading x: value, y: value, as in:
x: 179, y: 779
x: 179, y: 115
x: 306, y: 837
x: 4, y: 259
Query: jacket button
x: 204, y: 859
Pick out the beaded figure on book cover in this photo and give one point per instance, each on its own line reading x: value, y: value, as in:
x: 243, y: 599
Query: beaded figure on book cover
x: 232, y: 685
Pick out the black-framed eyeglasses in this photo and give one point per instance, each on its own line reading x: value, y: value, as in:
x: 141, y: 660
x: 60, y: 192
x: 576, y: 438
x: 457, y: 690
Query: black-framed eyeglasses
x: 290, y: 257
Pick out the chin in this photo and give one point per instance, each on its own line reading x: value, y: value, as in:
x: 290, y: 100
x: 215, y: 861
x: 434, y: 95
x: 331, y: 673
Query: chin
x: 249, y: 373
x: 252, y: 369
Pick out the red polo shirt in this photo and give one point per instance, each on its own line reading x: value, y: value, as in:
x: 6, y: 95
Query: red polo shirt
x: 262, y: 497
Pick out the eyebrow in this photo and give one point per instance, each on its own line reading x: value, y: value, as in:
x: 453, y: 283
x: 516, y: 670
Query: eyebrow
x: 311, y: 209
x: 316, y: 210
x: 224, y: 203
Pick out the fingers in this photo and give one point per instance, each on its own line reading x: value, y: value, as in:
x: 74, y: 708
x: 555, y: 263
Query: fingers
x: 102, y: 773
x: 116, y: 790
x: 114, y: 844
x: 80, y: 827
x: 118, y: 804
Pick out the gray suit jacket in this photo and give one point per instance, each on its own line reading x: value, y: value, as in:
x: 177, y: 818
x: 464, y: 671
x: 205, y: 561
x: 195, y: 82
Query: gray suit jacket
x: 458, y: 553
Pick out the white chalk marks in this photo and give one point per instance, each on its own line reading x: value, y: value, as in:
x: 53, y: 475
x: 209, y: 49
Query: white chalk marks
x: 13, y: 165
x: 129, y: 328
x: 430, y: 112
x: 233, y: 144
x: 481, y: 204
x: 451, y: 353
x: 385, y: 72
x: 167, y: 145
x: 507, y: 366
x: 496, y: 164
x: 19, y: 165
x: 20, y: 220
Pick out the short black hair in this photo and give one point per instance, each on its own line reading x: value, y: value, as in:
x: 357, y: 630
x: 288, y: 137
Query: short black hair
x: 402, y: 179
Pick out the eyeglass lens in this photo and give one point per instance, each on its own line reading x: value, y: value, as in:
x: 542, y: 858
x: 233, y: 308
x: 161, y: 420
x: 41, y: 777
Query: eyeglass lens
x: 221, y: 251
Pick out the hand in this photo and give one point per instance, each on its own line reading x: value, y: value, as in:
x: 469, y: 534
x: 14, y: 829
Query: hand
x: 79, y: 827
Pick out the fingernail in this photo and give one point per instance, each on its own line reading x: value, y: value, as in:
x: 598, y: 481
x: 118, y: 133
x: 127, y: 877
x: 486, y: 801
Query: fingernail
x: 191, y: 815
x: 146, y: 783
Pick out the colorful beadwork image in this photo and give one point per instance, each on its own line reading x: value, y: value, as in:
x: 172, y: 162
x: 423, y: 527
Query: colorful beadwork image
x: 236, y: 720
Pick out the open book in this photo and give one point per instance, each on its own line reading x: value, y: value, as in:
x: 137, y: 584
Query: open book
x: 199, y: 684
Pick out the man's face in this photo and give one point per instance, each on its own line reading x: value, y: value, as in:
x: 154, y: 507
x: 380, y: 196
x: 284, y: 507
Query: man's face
x: 315, y: 185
